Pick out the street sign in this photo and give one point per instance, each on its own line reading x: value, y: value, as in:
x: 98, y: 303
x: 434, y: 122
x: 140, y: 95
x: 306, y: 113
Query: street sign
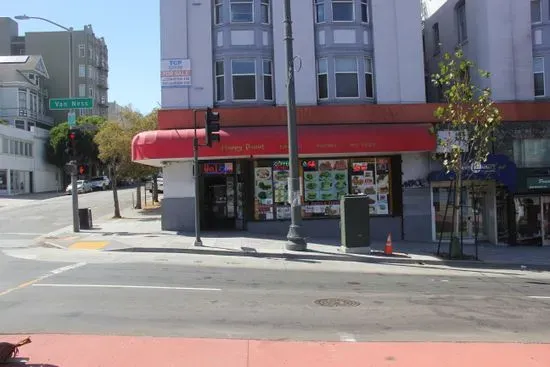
x: 70, y: 103
x: 71, y: 118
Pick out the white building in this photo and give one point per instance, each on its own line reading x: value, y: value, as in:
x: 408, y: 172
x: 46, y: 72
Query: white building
x: 24, y: 128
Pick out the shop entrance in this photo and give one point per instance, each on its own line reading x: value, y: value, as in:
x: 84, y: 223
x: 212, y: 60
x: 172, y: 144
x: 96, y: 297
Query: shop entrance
x: 219, y: 197
x: 532, y: 217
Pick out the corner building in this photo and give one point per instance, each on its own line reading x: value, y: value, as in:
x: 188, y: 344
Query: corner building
x: 363, y: 121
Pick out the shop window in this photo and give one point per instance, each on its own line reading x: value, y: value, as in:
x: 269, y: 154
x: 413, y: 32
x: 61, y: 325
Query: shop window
x: 243, y: 73
x: 320, y: 11
x: 322, y: 78
x: 266, y: 16
x: 242, y: 11
x: 271, y: 190
x: 342, y: 10
x: 532, y: 153
x: 268, y: 80
x: 218, y: 12
x: 346, y: 77
x: 220, y: 81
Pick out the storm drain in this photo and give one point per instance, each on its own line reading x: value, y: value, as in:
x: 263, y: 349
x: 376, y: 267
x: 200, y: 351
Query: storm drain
x: 337, y: 302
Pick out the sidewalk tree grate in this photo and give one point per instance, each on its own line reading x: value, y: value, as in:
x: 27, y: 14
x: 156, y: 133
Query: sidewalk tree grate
x: 337, y: 302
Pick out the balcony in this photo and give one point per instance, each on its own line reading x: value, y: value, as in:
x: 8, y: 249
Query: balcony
x: 102, y: 101
x: 102, y: 83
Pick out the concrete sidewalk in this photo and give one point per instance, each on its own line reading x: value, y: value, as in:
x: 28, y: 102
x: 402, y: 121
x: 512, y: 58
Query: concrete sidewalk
x: 139, y: 232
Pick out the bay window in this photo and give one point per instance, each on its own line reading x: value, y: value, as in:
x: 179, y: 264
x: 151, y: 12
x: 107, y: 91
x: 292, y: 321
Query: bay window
x: 342, y: 11
x: 220, y: 81
x: 346, y: 77
x: 242, y: 11
x: 322, y: 78
x: 243, y: 75
x: 538, y: 75
x: 265, y: 12
x: 268, y: 80
x: 369, y: 80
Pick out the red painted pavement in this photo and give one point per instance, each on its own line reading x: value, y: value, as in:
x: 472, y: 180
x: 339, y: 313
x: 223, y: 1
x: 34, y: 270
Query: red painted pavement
x: 98, y: 351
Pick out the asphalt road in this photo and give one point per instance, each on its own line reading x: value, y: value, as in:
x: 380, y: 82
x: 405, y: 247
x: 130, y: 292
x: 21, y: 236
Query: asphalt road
x: 192, y: 301
x: 30, y: 218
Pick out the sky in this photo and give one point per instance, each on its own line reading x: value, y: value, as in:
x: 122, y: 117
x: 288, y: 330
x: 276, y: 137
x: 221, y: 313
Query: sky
x: 131, y: 31
x: 433, y: 5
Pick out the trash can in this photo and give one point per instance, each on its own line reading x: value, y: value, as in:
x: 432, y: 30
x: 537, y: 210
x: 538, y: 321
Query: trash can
x: 355, y: 223
x: 85, y: 216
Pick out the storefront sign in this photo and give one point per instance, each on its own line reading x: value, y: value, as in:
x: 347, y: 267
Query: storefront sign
x: 217, y: 168
x: 175, y: 73
x: 538, y: 183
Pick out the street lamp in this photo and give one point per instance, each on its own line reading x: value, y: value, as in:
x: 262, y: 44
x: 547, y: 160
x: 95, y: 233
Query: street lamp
x: 71, y: 113
x: 295, y: 240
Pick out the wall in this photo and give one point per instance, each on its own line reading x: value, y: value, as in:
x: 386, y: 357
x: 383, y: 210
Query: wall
x: 398, y: 59
x: 178, y: 204
x: 178, y: 20
x: 8, y: 29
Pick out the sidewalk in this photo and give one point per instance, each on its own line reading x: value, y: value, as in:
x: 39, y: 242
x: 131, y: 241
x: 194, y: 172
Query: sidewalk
x: 101, y: 351
x: 139, y: 231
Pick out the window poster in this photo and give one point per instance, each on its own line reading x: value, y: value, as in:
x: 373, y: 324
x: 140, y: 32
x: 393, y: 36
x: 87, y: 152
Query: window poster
x: 325, y: 181
x: 371, y: 177
x: 263, y: 193
x: 280, y: 183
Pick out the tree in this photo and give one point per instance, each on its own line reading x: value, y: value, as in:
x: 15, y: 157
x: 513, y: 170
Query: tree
x: 468, y: 121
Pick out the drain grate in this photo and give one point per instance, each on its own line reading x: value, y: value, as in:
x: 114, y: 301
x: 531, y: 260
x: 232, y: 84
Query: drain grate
x: 337, y: 302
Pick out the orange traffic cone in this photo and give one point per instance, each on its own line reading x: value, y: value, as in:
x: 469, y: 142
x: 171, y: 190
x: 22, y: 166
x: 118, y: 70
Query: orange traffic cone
x: 388, y: 249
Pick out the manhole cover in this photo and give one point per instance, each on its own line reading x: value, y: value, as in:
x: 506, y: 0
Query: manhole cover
x: 337, y: 302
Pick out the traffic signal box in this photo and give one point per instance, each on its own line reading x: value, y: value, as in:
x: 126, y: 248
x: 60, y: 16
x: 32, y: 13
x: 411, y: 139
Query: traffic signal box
x: 212, y: 127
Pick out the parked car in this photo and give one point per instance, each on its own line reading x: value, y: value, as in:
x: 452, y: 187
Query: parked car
x: 160, y: 185
x: 82, y: 187
x: 100, y: 183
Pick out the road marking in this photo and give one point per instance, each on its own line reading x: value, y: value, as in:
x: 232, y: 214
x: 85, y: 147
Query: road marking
x: 90, y: 245
x: 22, y: 234
x: 124, y: 286
x: 344, y: 337
x: 45, y: 276
x: 539, y: 297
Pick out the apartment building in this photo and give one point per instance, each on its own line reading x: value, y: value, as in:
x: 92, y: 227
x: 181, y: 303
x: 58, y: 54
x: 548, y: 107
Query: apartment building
x: 363, y: 124
x: 510, y: 39
x: 90, y: 65
x: 24, y: 127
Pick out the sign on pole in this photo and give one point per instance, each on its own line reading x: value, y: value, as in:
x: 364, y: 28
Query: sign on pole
x: 71, y: 103
x: 71, y: 118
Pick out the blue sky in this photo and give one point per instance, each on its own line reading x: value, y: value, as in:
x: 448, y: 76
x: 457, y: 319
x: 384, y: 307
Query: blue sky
x: 130, y: 28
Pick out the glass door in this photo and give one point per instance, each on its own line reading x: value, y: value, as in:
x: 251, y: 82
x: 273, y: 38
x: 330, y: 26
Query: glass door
x: 528, y: 220
x: 546, y: 220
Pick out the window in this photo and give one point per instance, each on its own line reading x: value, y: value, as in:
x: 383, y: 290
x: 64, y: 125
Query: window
x: 5, y: 146
x: 369, y: 80
x: 437, y: 42
x: 243, y: 74
x: 342, y: 10
x: 461, y: 22
x: 82, y: 90
x: 34, y: 103
x: 90, y: 91
x: 346, y: 77
x: 364, y: 11
x: 90, y: 71
x: 220, y: 81
x: 320, y: 11
x: 218, y: 12
x: 91, y: 53
x: 81, y: 71
x: 538, y: 74
x: 536, y: 12
x: 322, y: 78
x: 22, y: 100
x: 242, y: 11
x: 266, y: 16
x: 81, y: 50
x: 268, y: 80
x: 532, y: 153
x: 20, y: 124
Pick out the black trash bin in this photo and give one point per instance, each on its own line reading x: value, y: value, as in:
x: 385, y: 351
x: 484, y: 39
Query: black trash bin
x: 85, y: 216
x: 355, y: 223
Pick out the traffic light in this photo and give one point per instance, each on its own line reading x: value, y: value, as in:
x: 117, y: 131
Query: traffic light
x: 82, y: 169
x: 70, y: 145
x: 212, y: 127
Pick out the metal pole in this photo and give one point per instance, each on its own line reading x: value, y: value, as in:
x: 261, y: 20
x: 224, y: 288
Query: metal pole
x: 74, y: 173
x: 196, y: 174
x: 295, y: 241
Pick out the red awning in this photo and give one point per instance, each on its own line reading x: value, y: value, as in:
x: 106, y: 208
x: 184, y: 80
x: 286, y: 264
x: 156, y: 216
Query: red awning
x: 273, y: 141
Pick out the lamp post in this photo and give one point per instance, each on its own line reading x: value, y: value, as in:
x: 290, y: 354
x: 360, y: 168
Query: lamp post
x: 295, y: 241
x: 70, y: 115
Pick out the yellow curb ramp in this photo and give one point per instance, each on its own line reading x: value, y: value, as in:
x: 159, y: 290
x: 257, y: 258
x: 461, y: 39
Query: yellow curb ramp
x: 89, y: 245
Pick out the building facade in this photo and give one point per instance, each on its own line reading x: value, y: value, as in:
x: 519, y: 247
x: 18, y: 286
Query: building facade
x: 24, y: 127
x: 90, y: 65
x: 363, y: 121
x: 511, y: 40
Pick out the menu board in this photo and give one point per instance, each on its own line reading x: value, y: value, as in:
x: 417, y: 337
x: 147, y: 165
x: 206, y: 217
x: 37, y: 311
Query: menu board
x: 280, y: 184
x: 263, y: 193
x: 371, y: 178
x: 325, y: 181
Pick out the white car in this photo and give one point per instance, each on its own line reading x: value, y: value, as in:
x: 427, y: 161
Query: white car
x: 160, y: 185
x: 100, y: 183
x: 82, y: 187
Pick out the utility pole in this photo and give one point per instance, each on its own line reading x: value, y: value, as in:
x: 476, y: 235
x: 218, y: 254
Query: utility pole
x: 295, y: 240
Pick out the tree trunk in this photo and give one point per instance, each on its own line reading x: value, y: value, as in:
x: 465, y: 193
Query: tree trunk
x: 456, y: 247
x: 138, y: 194
x: 155, y: 189
x: 115, y: 192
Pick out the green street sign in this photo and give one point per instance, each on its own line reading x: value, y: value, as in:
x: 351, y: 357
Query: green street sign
x: 540, y: 183
x: 70, y: 103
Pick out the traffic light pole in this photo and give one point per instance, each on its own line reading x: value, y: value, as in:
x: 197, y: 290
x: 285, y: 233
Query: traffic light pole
x: 196, y: 174
x: 74, y: 189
